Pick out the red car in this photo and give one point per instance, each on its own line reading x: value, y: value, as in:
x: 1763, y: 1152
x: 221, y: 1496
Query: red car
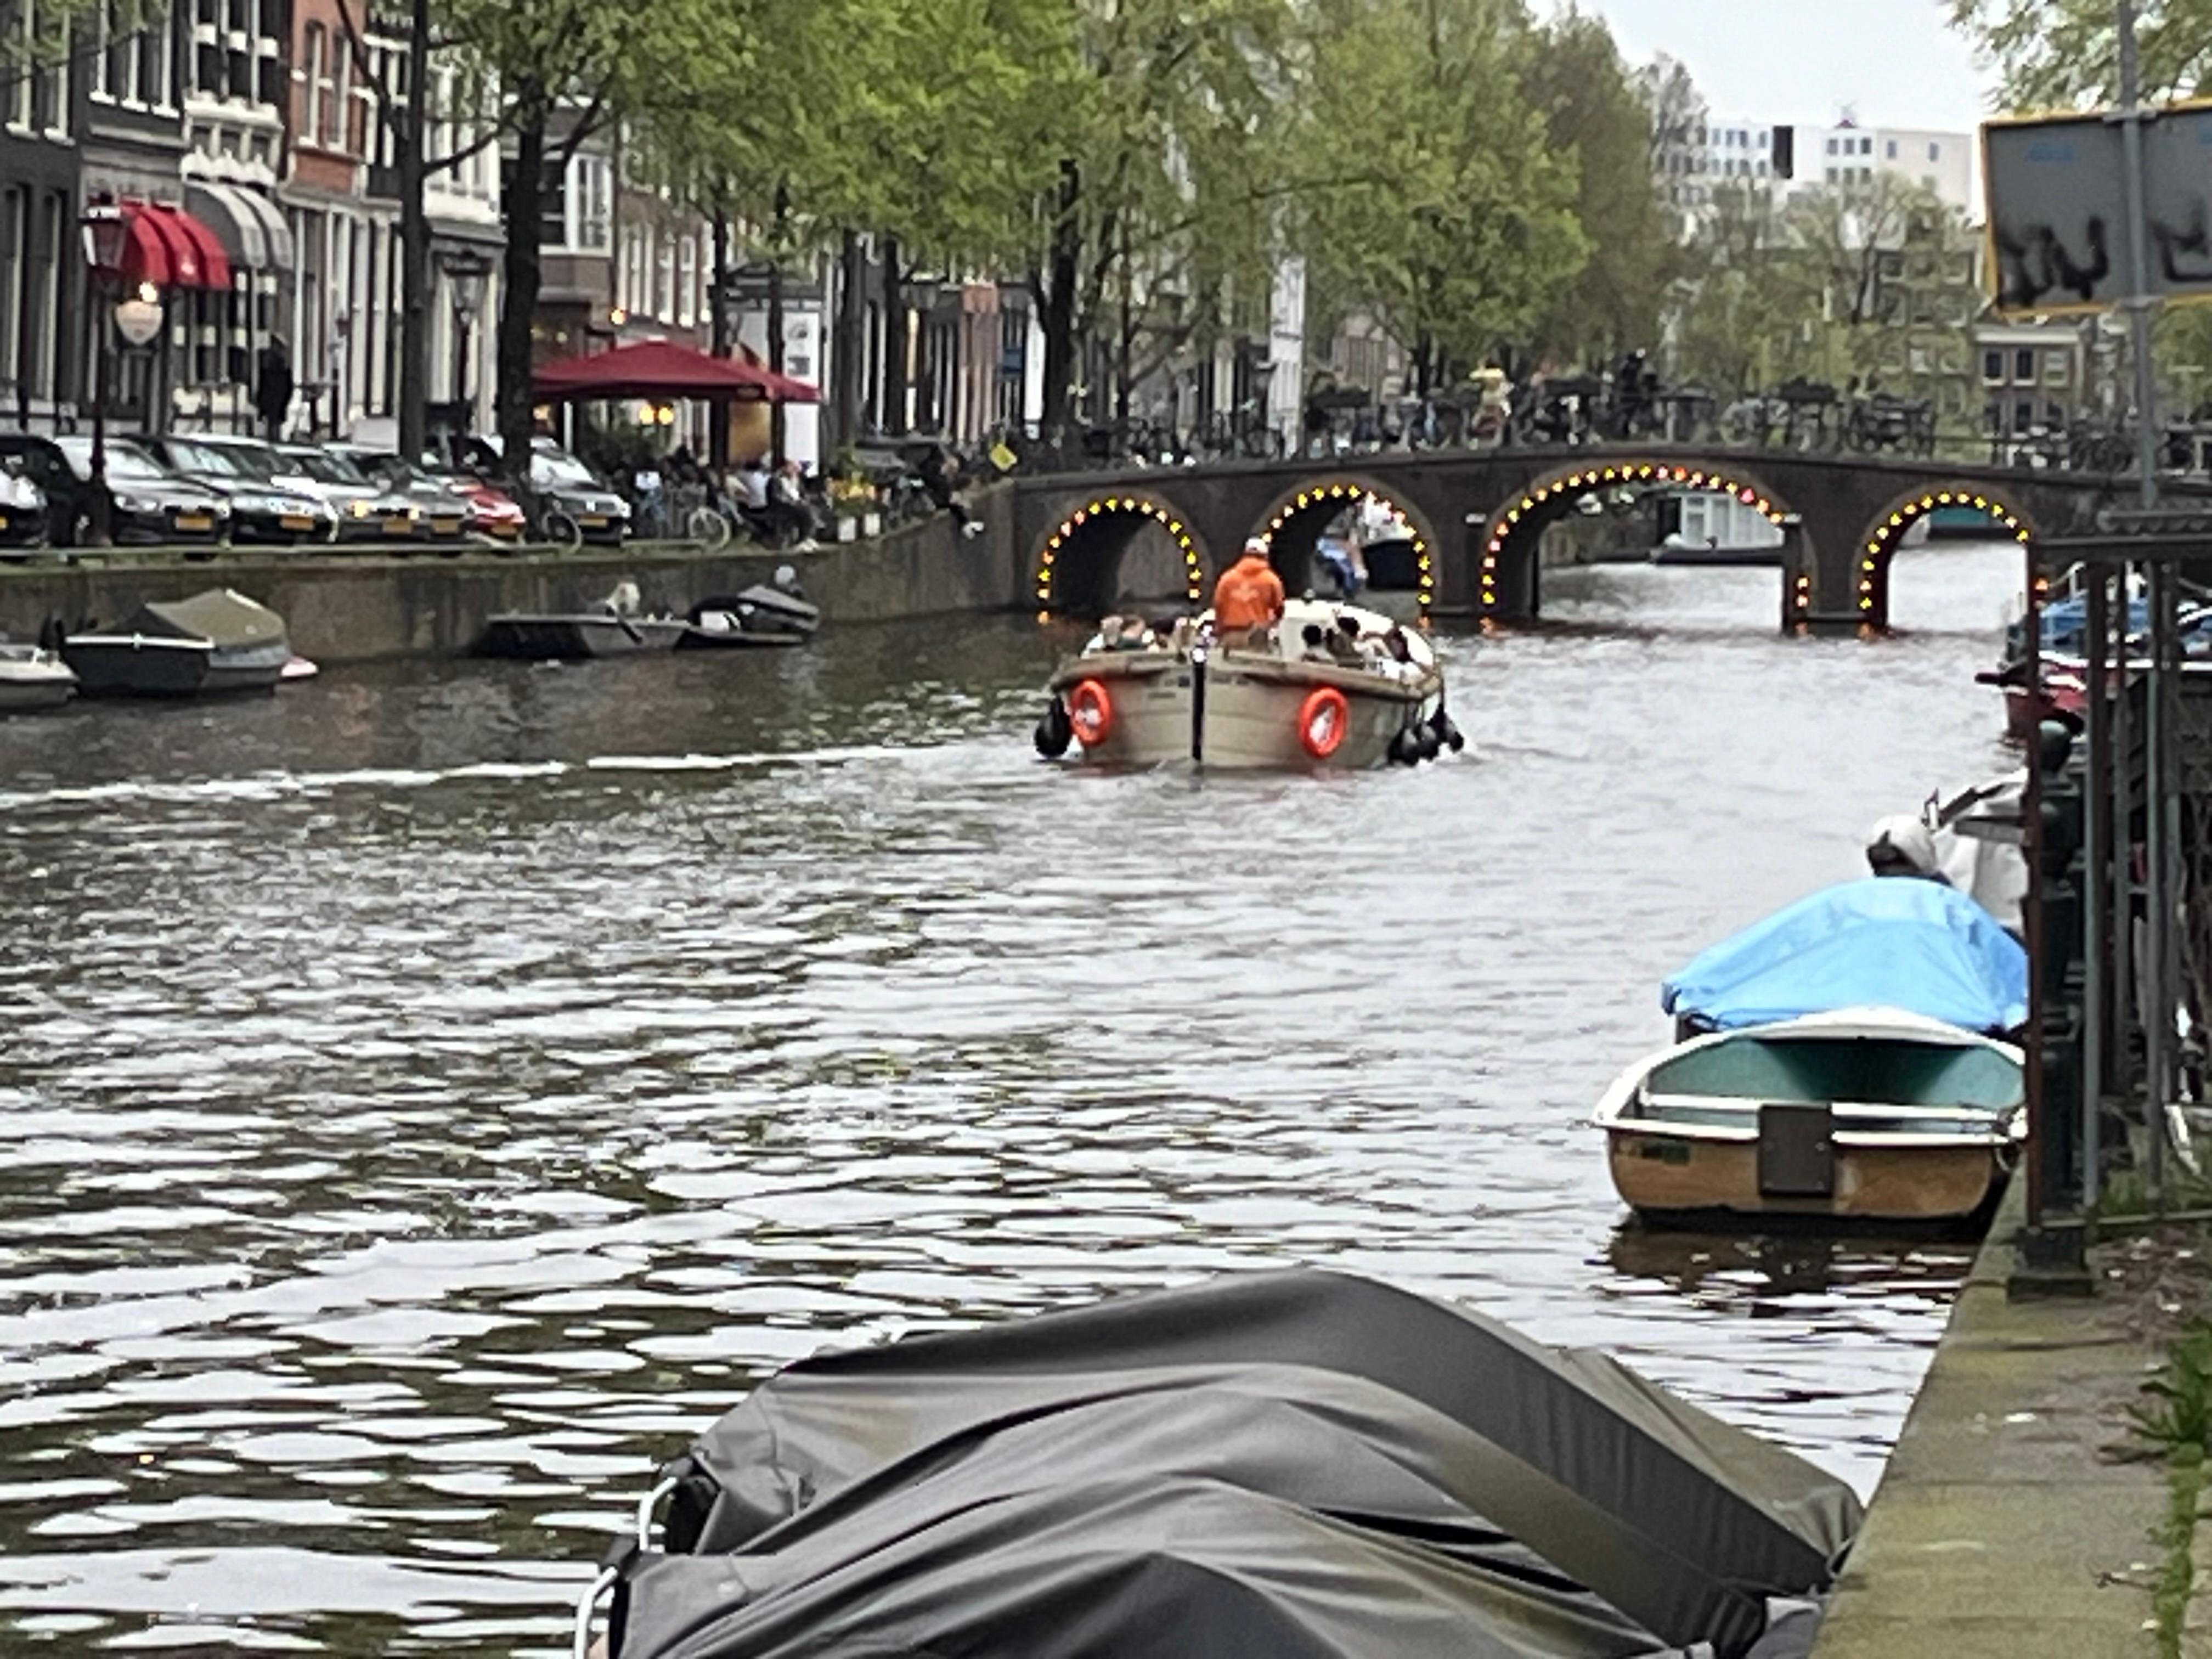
x: 485, y: 509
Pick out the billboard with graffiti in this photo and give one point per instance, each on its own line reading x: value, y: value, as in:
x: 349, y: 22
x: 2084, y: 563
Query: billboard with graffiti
x: 2057, y: 209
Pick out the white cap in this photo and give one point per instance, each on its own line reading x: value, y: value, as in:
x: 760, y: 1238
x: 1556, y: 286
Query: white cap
x: 1908, y: 839
x: 1257, y: 546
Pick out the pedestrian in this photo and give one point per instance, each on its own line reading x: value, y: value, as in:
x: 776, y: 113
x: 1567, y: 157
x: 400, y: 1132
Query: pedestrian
x: 939, y: 477
x: 272, y: 388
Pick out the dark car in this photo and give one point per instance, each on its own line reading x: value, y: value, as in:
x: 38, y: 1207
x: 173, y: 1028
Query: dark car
x: 565, y: 487
x: 150, y: 504
x: 23, y: 506
x: 369, y: 508
x: 265, y: 504
x: 447, y: 507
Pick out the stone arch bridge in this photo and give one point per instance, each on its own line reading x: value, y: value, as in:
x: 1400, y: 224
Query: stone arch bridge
x: 1478, y: 515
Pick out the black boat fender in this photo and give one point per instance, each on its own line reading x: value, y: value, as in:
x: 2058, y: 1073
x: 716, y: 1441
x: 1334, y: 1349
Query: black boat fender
x: 1447, y: 731
x: 1055, y: 731
x: 1426, y: 740
x: 1406, y: 747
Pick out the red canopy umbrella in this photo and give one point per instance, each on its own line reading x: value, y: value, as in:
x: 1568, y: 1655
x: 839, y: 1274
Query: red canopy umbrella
x: 667, y: 368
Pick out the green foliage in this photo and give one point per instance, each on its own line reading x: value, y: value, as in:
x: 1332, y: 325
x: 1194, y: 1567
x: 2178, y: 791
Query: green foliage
x: 2177, y: 1418
x: 1595, y: 111
x: 1463, y: 228
x: 2064, y: 54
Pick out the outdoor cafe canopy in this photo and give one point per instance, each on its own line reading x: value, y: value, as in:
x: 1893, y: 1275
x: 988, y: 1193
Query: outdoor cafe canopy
x: 662, y: 369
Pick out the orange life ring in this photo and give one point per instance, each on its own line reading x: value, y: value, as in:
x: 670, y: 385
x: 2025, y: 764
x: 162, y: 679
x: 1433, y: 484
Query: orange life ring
x: 1091, y: 712
x: 1323, y: 718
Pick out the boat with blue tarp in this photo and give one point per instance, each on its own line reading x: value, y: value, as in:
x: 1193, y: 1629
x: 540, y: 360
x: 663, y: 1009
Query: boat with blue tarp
x: 1844, y: 1060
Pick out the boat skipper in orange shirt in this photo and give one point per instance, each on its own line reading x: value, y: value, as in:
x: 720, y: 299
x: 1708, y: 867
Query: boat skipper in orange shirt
x: 1249, y: 594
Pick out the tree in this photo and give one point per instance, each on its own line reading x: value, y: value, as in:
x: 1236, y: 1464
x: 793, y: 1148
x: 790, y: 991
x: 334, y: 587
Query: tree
x: 1749, y: 316
x: 2051, y: 54
x: 1594, y: 111
x: 1466, y: 227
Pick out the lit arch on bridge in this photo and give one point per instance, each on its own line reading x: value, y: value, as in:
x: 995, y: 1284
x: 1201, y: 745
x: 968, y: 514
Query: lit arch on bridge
x: 1083, y: 530
x: 1878, y: 547
x: 1514, y: 529
x: 1316, y: 502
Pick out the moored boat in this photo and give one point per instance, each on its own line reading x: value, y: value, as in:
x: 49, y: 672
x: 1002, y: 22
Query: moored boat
x: 218, y: 640
x: 1843, y: 1060
x: 1328, y: 685
x: 617, y: 628
x: 33, y: 678
x: 767, y: 613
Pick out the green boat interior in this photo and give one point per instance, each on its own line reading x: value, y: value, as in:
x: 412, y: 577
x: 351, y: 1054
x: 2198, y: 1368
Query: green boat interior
x: 1875, y: 1071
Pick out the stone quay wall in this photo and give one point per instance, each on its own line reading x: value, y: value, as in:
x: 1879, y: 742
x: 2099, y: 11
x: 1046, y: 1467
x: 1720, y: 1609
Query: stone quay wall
x: 375, y: 604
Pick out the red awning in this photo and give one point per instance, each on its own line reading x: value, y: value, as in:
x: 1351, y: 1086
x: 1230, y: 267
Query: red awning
x: 169, y: 248
x: 667, y: 368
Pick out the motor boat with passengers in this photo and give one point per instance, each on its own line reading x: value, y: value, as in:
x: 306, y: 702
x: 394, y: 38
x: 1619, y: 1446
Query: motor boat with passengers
x: 1325, y: 685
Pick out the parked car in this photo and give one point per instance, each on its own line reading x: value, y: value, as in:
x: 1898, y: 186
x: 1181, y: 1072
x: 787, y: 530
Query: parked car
x: 149, y: 503
x: 452, y: 504
x: 564, y: 487
x: 369, y: 508
x: 266, y: 504
x: 23, y: 506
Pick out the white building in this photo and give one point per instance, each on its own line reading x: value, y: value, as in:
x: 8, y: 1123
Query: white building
x: 1849, y: 154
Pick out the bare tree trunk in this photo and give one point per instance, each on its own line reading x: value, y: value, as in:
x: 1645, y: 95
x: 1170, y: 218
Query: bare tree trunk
x: 717, y: 326
x: 894, y: 340
x: 522, y: 201
x: 413, y: 241
x: 780, y: 241
x: 1057, y: 320
x: 852, y: 317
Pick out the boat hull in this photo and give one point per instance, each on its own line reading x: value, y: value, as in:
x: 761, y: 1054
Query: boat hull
x: 1680, y: 1181
x: 1236, y: 715
x: 578, y: 638
x: 22, y: 693
x: 131, y: 666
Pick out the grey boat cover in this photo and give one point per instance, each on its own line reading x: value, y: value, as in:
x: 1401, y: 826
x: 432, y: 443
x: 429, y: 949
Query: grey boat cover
x: 229, y: 618
x: 1273, y: 1465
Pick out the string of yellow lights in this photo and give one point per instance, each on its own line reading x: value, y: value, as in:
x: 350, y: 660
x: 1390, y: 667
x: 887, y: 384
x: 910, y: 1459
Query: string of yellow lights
x: 1347, y: 492
x: 1193, y: 567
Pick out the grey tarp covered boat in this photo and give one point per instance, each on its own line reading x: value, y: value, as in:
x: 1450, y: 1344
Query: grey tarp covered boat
x: 216, y: 640
x: 1297, y: 1463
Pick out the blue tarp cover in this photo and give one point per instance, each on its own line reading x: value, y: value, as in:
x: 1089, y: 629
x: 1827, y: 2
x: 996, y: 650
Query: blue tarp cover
x: 1880, y: 942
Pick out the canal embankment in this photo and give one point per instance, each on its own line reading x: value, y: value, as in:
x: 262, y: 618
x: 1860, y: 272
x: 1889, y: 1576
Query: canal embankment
x: 375, y: 604
x: 2021, y: 1512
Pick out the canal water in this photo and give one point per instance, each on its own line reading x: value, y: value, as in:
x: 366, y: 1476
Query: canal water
x: 432, y: 1093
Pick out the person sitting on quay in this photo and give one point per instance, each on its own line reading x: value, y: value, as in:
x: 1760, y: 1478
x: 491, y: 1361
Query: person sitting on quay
x: 1250, y: 596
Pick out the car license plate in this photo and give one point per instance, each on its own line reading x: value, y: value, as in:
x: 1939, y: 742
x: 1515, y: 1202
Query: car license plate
x: 446, y: 526
x: 592, y: 521
x: 396, y: 527
x: 194, y: 521
x: 296, y: 521
x: 3, y: 520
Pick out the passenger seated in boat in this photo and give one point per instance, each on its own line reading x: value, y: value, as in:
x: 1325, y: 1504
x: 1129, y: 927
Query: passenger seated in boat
x: 1343, y: 642
x: 1316, y: 644
x: 1250, y: 596
x: 1131, y: 636
x: 1902, y: 845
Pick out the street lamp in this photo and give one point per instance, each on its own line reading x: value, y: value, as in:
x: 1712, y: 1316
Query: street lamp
x: 106, y: 236
x: 465, y: 271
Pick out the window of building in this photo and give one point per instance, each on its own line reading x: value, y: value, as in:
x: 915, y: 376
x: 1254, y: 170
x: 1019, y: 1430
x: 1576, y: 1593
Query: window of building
x: 1890, y: 153
x: 318, y: 85
x: 687, y: 290
x: 2023, y: 416
x: 2054, y: 416
x: 664, y: 287
x: 1934, y: 152
x: 1866, y: 146
x: 1831, y: 147
x: 2057, y: 367
x: 590, y: 205
x: 338, y: 112
x: 1993, y: 367
x: 1832, y: 175
x: 2023, y: 365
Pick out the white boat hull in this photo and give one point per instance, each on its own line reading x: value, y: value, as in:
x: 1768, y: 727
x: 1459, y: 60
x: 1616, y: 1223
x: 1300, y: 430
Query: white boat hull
x: 1682, y: 1157
x: 1249, y: 706
x: 39, y: 681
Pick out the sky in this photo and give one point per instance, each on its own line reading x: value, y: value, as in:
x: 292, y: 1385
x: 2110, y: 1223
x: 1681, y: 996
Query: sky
x: 1801, y: 62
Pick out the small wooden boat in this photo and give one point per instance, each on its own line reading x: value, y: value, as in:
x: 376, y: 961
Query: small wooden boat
x: 218, y: 640
x: 1864, y: 1113
x: 578, y: 637
x: 1841, y: 1059
x: 1300, y: 695
x: 33, y: 678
